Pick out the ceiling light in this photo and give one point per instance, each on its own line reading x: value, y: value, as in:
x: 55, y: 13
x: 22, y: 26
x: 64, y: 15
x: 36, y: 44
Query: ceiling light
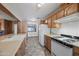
x: 40, y: 4
x: 33, y: 19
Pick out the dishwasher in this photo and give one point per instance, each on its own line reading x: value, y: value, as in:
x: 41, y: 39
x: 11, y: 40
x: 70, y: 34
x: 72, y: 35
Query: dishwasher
x: 59, y: 49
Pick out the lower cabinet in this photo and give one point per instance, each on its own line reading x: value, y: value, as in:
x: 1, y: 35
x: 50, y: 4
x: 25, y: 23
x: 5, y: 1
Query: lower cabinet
x: 76, y: 51
x: 21, y: 50
x: 47, y: 42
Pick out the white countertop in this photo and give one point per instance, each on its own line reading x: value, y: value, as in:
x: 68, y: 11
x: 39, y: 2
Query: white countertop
x: 9, y: 46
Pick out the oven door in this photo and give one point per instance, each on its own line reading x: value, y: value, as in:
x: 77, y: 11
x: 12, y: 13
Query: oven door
x: 60, y: 49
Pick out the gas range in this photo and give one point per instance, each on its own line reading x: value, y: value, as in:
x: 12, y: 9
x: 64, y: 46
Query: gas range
x: 66, y: 39
x: 70, y: 40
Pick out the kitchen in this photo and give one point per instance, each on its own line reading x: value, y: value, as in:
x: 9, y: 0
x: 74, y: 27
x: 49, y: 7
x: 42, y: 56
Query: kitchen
x: 57, y: 32
x: 63, y: 37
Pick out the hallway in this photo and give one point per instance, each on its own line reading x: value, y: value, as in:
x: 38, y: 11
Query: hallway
x: 33, y: 48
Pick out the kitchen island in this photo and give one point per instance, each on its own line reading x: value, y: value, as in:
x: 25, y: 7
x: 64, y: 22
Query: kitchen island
x: 13, y: 45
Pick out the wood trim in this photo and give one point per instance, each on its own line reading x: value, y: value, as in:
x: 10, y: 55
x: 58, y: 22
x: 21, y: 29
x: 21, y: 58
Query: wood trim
x: 5, y: 10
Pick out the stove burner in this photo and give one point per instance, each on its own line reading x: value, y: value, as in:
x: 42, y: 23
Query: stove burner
x: 70, y: 40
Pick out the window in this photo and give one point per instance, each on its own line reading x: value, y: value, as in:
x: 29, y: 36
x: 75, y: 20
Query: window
x: 32, y: 28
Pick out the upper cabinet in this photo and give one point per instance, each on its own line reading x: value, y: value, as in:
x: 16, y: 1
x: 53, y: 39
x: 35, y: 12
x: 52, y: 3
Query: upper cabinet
x: 60, y: 13
x: 55, y: 25
x: 49, y: 21
x: 54, y: 16
x: 72, y: 9
x: 64, y: 10
x: 64, y: 5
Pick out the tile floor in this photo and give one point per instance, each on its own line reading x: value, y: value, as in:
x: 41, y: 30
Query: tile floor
x: 33, y: 48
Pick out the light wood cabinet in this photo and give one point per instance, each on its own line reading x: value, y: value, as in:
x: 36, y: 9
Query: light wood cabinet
x: 22, y: 27
x: 53, y: 23
x: 76, y: 51
x: 54, y: 17
x: 56, y: 25
x: 64, y: 5
x: 6, y: 26
x: 64, y: 10
x: 68, y: 9
x: 72, y: 9
x: 47, y: 42
x: 49, y: 21
x: 60, y: 14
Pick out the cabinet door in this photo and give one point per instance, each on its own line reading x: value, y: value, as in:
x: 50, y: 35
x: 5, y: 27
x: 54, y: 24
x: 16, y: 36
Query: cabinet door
x: 22, y: 27
x: 53, y: 24
x: 76, y: 51
x: 64, y: 5
x: 53, y: 19
x: 49, y: 22
x: 49, y: 43
x: 8, y: 27
x: 60, y: 13
x: 45, y: 42
x: 56, y: 25
x: 71, y: 9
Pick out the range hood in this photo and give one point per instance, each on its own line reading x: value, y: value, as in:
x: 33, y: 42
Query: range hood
x: 70, y: 18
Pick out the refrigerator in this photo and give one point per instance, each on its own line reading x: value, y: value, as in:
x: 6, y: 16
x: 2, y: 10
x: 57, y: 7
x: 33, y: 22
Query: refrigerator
x: 43, y: 28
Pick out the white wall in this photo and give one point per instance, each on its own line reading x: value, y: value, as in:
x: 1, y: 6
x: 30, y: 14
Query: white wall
x: 30, y: 34
x: 70, y: 28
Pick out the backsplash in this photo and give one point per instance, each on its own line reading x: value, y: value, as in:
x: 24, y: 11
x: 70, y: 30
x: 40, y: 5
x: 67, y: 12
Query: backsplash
x: 54, y: 31
x: 70, y: 28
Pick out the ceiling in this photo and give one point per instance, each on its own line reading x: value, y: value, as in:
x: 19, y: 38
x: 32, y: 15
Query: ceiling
x: 28, y: 11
